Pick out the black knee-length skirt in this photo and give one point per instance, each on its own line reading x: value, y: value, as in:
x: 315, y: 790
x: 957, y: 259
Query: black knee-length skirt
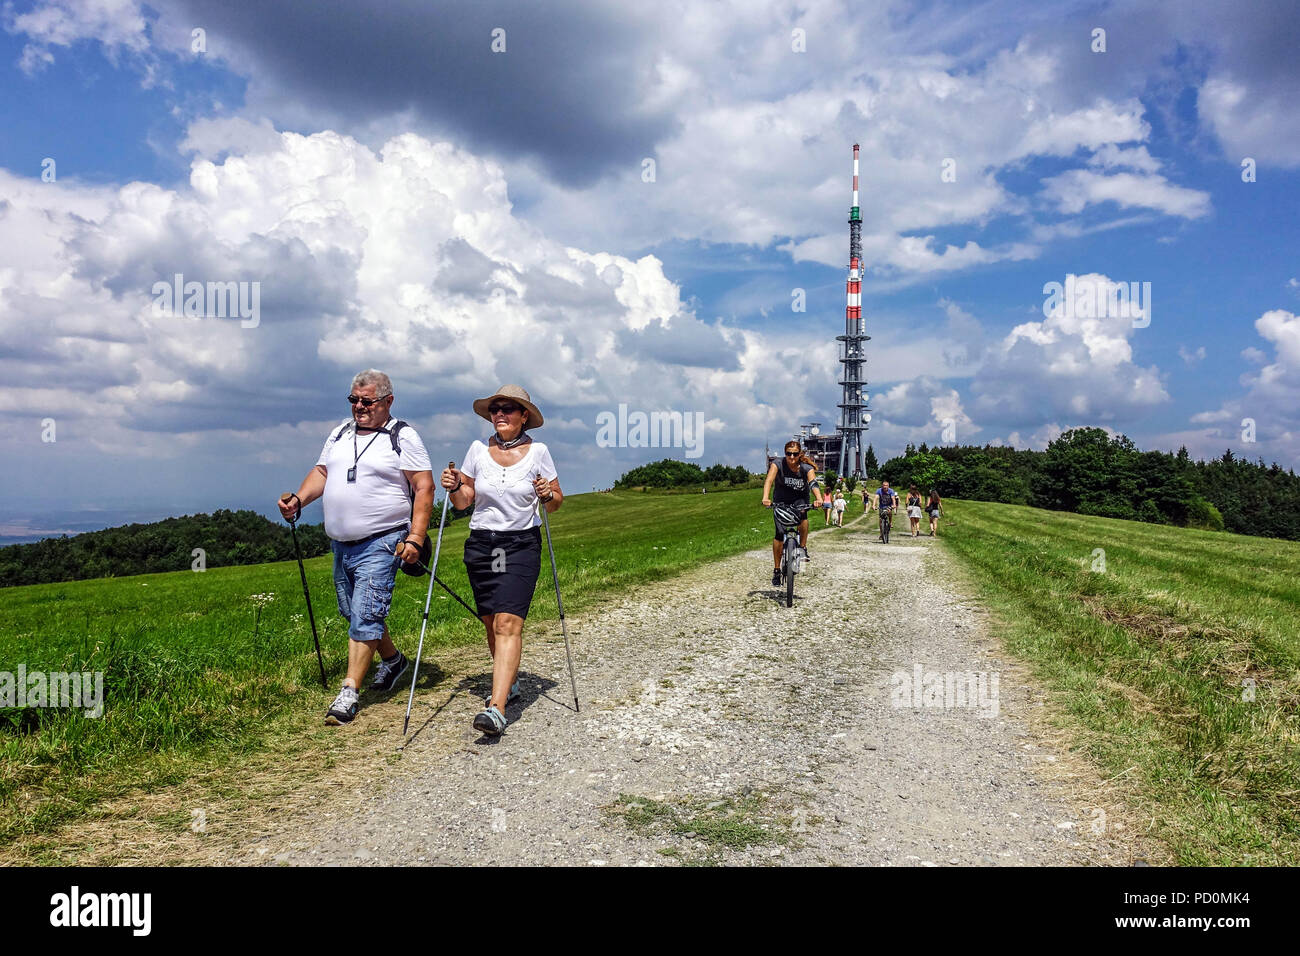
x: 503, y: 567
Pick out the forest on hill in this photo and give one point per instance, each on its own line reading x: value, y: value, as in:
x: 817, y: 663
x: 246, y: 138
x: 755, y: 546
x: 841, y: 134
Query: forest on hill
x: 1091, y: 472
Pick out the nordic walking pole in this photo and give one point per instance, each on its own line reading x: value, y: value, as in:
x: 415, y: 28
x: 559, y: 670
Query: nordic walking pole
x: 442, y: 522
x: 443, y: 584
x: 293, y: 527
x: 558, y: 603
x: 472, y: 612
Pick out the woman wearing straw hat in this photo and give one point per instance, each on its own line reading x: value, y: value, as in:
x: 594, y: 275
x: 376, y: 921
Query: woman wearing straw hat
x: 504, y: 478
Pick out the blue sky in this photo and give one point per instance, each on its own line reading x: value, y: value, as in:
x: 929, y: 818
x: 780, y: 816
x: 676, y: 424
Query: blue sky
x: 409, y: 198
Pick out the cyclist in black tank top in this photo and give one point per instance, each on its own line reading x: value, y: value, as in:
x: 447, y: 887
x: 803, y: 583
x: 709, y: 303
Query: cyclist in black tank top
x: 788, y: 482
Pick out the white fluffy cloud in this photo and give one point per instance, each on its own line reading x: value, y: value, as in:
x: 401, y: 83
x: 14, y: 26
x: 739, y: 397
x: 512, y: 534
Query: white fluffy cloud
x: 1077, y: 189
x: 1070, y: 366
x: 761, y: 130
x: 1264, y: 421
x: 1251, y: 120
x: 409, y: 259
x: 119, y: 25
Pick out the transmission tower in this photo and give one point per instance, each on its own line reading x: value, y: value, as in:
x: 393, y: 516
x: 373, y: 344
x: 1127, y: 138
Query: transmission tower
x: 855, y: 416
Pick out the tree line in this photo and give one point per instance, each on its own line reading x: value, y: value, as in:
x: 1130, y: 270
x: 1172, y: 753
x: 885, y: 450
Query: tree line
x: 1090, y: 472
x: 225, y: 537
x: 671, y: 473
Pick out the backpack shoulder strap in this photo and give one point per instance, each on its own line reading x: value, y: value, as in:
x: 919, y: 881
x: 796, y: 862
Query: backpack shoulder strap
x: 342, y: 428
x: 393, y: 429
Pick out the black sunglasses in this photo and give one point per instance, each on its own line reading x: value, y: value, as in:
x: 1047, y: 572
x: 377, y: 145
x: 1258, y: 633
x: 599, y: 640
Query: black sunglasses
x: 366, y: 402
x: 508, y: 409
x: 792, y: 454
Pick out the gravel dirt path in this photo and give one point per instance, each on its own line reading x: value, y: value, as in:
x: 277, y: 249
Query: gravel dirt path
x: 719, y: 726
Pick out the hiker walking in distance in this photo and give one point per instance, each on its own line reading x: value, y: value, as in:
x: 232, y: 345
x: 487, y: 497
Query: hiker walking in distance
x: 914, y: 509
x: 935, y: 508
x: 377, y: 488
x: 504, y: 478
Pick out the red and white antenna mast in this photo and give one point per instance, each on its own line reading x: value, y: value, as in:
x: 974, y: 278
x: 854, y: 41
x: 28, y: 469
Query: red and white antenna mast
x: 855, y: 417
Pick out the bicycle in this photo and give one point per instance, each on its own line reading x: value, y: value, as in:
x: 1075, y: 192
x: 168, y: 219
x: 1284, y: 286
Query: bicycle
x: 886, y: 519
x: 793, y: 556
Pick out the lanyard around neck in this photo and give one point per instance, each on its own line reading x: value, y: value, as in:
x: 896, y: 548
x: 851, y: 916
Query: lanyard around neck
x: 357, y: 457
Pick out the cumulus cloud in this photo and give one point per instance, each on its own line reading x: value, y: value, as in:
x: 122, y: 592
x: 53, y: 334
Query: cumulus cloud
x: 118, y: 25
x: 923, y: 409
x: 1075, y: 190
x: 1260, y: 123
x: 1270, y: 400
x: 409, y: 259
x: 963, y: 339
x: 763, y: 131
x: 1039, y: 439
x: 1072, y: 366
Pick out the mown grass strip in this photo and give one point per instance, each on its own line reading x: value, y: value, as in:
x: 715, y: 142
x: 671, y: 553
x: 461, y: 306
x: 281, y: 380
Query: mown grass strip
x: 1175, y: 670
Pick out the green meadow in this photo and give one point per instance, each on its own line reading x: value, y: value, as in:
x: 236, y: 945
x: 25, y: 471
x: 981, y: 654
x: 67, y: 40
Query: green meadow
x: 190, y: 670
x: 1172, y: 656
x: 1173, y: 653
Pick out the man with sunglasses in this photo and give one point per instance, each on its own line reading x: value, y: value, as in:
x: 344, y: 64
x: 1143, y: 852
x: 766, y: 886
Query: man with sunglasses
x: 793, y: 477
x: 376, y: 484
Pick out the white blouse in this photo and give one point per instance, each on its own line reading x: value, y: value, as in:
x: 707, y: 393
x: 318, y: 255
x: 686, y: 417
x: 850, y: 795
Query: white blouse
x: 504, y: 497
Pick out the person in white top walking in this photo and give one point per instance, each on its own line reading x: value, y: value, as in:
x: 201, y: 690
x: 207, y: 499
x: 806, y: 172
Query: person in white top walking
x: 504, y: 479
x: 377, y: 485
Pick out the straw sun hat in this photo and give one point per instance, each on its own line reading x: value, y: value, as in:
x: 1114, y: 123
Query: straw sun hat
x: 515, y: 394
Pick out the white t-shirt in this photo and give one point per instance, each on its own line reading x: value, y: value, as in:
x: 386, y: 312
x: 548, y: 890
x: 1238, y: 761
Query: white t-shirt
x: 504, y: 498
x: 380, y: 497
x: 840, y: 504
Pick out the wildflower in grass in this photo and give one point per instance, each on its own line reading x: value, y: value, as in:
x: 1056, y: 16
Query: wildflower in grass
x: 260, y: 601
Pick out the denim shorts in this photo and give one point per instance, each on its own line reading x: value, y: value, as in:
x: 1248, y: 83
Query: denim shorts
x: 364, y: 574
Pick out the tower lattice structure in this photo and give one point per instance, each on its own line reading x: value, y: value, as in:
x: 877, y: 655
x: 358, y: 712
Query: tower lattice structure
x: 853, y: 406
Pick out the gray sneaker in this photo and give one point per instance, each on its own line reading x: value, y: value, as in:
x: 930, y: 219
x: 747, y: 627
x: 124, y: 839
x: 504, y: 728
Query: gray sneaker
x: 490, y: 722
x: 344, y: 708
x: 386, y: 674
x: 510, y: 697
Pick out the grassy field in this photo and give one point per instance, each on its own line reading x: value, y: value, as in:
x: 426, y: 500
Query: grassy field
x: 1152, y: 641
x: 185, y: 676
x: 1175, y: 655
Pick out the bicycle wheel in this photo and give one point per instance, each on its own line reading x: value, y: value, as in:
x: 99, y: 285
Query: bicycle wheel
x: 789, y: 578
x: 885, y: 522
